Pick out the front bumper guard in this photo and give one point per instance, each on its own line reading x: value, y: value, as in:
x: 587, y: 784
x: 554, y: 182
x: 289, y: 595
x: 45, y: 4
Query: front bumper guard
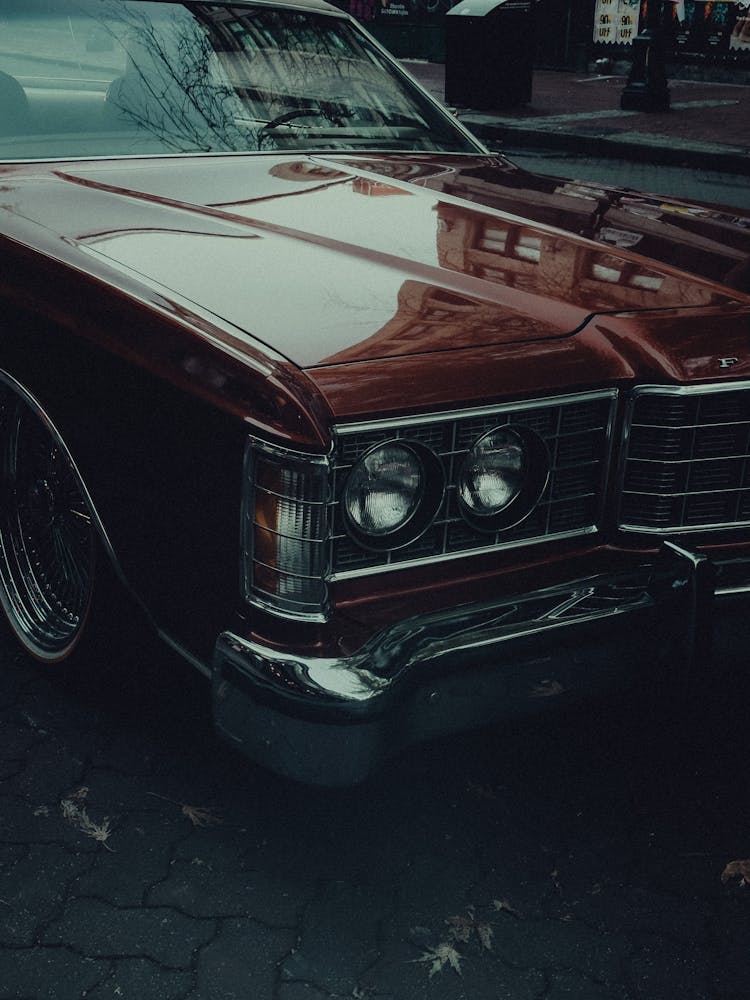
x: 332, y: 720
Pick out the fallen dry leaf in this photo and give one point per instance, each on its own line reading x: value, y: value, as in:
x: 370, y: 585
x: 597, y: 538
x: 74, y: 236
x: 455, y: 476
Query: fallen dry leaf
x: 196, y: 814
x: 503, y: 904
x: 441, y: 957
x: 200, y: 817
x: 547, y: 688
x: 737, y: 869
x: 462, y: 927
x: 485, y: 934
x: 77, y: 816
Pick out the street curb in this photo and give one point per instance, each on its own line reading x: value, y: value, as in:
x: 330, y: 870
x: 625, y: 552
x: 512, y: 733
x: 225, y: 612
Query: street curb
x: 626, y: 146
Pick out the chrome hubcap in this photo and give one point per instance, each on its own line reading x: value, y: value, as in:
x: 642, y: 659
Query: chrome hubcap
x: 46, y: 535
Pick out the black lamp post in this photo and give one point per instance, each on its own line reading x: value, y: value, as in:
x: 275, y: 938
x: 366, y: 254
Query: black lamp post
x: 647, y: 88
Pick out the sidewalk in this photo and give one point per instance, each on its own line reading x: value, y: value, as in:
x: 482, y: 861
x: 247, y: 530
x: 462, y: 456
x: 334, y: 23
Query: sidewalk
x: 708, y: 126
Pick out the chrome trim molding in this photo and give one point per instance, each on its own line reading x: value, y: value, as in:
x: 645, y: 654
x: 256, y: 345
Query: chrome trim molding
x: 366, y: 676
x: 682, y: 530
x: 690, y: 390
x: 331, y: 720
x: 463, y: 554
x: 443, y: 416
x: 704, y: 389
x: 313, y: 617
x: 419, y: 420
x: 185, y: 654
x: 447, y: 520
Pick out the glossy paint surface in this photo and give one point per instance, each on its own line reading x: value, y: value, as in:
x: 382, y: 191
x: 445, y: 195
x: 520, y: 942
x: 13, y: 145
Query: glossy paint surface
x: 327, y: 264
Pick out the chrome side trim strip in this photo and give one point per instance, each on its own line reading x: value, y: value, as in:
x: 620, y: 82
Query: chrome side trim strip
x: 729, y: 591
x: 462, y: 554
x: 185, y: 654
x: 677, y: 529
x: 690, y: 390
x: 342, y: 430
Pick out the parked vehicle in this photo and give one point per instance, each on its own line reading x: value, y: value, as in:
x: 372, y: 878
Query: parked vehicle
x: 387, y: 436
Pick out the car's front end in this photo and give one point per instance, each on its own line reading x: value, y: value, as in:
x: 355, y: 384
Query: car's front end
x: 393, y: 439
x: 443, y: 570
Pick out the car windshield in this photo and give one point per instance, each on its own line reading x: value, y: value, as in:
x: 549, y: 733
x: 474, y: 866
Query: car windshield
x: 83, y: 78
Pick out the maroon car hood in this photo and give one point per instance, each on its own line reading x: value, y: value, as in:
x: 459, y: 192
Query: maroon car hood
x: 328, y: 261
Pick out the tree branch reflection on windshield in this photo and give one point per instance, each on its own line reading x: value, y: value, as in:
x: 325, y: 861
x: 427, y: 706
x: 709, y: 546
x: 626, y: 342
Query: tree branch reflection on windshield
x: 241, y: 78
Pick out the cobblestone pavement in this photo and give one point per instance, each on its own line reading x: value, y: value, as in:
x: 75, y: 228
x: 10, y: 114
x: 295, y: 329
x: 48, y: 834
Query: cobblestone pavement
x: 572, y: 856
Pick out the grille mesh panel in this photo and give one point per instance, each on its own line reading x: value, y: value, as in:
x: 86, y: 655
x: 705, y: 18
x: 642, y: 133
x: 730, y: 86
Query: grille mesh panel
x: 576, y: 433
x: 688, y: 460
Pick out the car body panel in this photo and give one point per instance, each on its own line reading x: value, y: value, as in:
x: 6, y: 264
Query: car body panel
x: 199, y: 321
x: 180, y: 320
x: 268, y: 240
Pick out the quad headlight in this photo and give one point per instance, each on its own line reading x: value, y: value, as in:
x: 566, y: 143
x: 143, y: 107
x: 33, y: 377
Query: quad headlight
x: 384, y: 490
x: 298, y: 509
x: 493, y: 473
x: 502, y: 478
x: 392, y: 493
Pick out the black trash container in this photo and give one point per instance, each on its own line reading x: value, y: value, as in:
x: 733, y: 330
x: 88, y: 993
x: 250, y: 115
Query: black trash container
x: 489, y: 46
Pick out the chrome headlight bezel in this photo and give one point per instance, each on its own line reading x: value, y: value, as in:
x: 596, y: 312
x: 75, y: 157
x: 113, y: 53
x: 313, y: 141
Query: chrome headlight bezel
x: 427, y: 496
x: 567, y: 440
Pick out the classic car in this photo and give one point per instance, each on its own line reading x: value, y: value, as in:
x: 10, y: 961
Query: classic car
x: 385, y: 435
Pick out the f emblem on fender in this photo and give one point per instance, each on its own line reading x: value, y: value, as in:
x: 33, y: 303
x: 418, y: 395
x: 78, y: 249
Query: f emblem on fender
x: 727, y: 362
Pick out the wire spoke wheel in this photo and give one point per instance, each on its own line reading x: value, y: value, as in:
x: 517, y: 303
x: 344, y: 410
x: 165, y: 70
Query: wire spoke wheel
x: 47, y: 541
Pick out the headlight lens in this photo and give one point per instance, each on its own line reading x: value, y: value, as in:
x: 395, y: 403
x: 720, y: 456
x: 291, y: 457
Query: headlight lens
x: 493, y: 473
x: 384, y: 490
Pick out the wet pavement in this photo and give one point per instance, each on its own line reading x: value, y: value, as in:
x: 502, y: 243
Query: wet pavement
x: 708, y: 125
x: 576, y: 855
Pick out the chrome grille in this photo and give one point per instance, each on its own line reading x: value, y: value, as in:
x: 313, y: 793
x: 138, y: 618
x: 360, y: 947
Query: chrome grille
x: 687, y: 463
x: 576, y: 431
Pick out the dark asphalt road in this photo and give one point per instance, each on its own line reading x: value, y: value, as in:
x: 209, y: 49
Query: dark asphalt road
x: 573, y: 856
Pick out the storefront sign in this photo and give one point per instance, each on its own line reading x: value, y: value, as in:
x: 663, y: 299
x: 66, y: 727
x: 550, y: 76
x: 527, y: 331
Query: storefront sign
x: 714, y: 26
x: 700, y: 27
x: 615, y: 21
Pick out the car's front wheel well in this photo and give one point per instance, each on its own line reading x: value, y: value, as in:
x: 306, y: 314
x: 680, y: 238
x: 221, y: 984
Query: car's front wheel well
x: 56, y: 559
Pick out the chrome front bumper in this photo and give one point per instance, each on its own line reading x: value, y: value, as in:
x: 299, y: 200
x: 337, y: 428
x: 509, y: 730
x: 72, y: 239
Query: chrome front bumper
x: 331, y: 721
